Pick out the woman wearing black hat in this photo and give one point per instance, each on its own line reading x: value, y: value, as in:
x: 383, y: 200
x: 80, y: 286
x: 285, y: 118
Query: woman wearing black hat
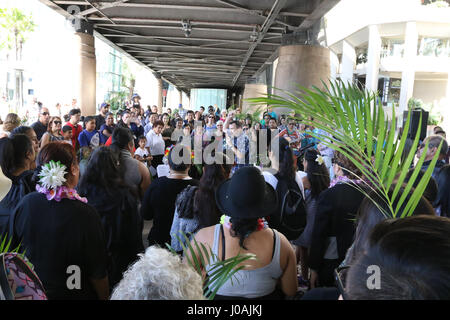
x: 245, y: 200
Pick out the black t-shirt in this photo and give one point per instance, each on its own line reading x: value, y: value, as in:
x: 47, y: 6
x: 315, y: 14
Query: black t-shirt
x: 21, y: 186
x: 122, y: 224
x: 57, y: 236
x: 39, y: 128
x: 336, y: 211
x: 159, y: 205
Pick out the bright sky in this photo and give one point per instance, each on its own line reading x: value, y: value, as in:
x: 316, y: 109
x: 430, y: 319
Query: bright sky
x: 47, y: 53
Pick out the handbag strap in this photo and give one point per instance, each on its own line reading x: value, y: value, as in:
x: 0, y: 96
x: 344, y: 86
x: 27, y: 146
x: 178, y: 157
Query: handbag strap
x: 223, y: 242
x: 4, y: 284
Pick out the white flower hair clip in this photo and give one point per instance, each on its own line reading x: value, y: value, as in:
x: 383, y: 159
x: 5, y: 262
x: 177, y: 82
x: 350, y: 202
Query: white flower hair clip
x: 52, y: 175
x: 319, y: 159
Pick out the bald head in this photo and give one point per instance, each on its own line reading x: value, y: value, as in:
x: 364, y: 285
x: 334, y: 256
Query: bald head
x: 433, y: 145
x: 44, y: 116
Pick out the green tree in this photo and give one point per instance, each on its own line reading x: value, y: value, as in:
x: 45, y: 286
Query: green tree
x: 128, y: 79
x: 15, y: 26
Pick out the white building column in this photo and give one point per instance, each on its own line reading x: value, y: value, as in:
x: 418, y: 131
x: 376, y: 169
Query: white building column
x: 408, y: 73
x: 348, y: 62
x: 373, y: 58
x: 446, y: 122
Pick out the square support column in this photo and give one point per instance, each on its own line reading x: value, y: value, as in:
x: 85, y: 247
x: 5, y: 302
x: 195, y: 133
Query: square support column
x: 373, y: 58
x: 348, y: 62
x: 408, y: 73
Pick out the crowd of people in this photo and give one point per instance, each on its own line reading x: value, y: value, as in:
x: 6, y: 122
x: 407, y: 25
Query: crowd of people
x: 83, y: 185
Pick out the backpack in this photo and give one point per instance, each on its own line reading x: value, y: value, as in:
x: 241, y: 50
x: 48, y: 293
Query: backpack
x: 292, y: 209
x: 17, y: 280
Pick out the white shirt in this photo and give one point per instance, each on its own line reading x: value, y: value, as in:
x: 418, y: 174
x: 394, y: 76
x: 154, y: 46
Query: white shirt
x: 156, y: 143
x: 141, y: 152
x: 163, y: 170
x: 273, y: 181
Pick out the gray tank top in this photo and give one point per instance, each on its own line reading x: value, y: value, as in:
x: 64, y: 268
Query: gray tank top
x: 56, y: 138
x: 250, y: 283
x: 132, y: 174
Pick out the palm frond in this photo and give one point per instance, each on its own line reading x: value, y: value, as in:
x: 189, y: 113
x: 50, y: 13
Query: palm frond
x: 5, y: 247
x: 362, y: 132
x: 219, y: 272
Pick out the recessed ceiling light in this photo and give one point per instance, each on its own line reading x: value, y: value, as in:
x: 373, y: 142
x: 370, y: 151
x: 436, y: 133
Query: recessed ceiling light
x: 186, y: 27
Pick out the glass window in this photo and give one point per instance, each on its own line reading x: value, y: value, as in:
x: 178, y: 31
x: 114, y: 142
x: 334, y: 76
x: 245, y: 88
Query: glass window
x: 433, y: 47
x: 392, y: 48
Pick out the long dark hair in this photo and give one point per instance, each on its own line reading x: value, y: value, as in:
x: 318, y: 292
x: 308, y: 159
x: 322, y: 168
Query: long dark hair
x: 412, y: 255
x: 21, y: 130
x: 369, y: 215
x: 102, y: 171
x: 13, y: 153
x: 204, y: 199
x: 121, y: 137
x: 318, y: 175
x: 443, y: 197
x: 286, y: 168
x: 431, y: 190
x: 243, y: 228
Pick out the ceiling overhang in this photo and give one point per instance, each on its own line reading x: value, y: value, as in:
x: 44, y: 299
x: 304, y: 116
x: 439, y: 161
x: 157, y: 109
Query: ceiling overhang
x: 197, y: 43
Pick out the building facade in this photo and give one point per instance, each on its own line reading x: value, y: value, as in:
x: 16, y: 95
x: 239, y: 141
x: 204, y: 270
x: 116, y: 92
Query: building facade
x: 400, y: 49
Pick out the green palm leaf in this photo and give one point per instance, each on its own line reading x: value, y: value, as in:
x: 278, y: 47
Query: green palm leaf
x: 219, y: 272
x: 364, y: 135
x: 5, y: 247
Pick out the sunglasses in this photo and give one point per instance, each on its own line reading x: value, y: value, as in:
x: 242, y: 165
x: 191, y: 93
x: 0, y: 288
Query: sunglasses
x: 57, y: 122
x: 45, y: 113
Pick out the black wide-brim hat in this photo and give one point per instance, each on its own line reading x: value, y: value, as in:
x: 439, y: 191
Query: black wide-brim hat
x: 246, y: 195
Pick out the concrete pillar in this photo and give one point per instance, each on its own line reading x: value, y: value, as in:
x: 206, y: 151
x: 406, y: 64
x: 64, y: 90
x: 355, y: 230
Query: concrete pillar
x: 304, y: 65
x: 160, y: 94
x: 180, y: 99
x: 408, y: 72
x: 86, y: 73
x: 348, y: 62
x: 253, y: 91
x: 373, y: 58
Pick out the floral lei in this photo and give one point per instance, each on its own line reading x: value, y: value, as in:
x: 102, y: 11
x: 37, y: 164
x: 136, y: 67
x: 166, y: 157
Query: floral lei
x: 168, y: 149
x: 343, y: 179
x: 166, y: 158
x: 225, y: 221
x: 51, y: 183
